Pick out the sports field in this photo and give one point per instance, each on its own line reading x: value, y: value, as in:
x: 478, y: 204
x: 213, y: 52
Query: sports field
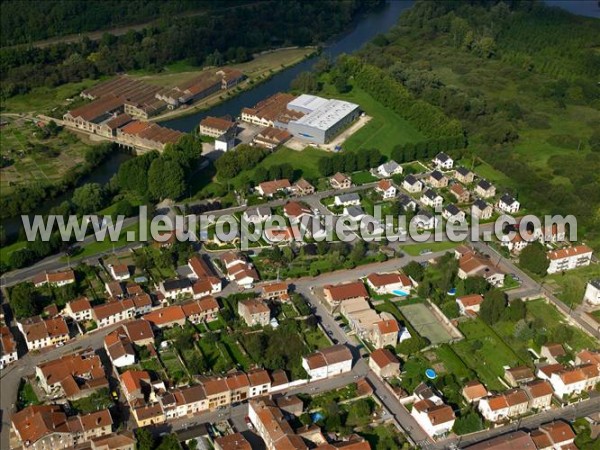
x: 426, y: 324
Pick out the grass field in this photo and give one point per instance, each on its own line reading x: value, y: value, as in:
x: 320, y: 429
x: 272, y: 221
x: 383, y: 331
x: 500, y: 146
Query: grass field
x: 7, y: 250
x: 416, y: 249
x: 488, y: 361
x: 426, y: 324
x: 36, y: 159
x: 570, y: 286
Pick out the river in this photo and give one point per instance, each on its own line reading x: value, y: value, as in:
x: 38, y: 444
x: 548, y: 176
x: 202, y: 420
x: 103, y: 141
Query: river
x: 363, y: 31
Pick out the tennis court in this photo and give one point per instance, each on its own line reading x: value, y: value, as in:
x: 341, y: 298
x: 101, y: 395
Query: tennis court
x: 425, y: 322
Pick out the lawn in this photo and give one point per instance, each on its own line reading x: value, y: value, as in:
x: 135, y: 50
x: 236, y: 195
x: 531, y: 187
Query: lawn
x: 234, y: 352
x: 489, y: 359
x: 315, y: 339
x: 416, y: 249
x: 174, y: 367
x: 7, y: 250
x: 571, y: 285
x: 384, y: 131
x: 364, y: 177
x: 26, y: 396
x: 95, y: 402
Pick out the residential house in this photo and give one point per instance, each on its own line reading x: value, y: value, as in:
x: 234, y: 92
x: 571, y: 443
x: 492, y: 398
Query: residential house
x: 569, y: 258
x: 518, y: 375
x: 55, y: 279
x: 270, y: 424
x: 79, y: 309
x: 234, y: 441
x: 434, y: 419
x: 136, y: 384
x: 469, y: 304
x: 494, y: 408
x: 114, y: 289
x: 384, y: 363
x: 283, y: 234
x: 485, y: 189
x: 239, y: 386
x: 276, y: 291
x: 205, y: 309
x: 518, y: 241
x: 73, y: 376
x: 215, y: 126
x: 139, y: 331
x: 556, y: 435
x: 471, y: 264
x: 432, y: 199
x: 437, y: 179
x: 551, y: 233
x: 147, y: 414
x: 8, y: 347
x: 588, y: 357
x: 460, y: 193
x: 291, y: 405
x: 539, y: 393
x: 411, y: 184
x: 206, y: 282
x: 238, y: 270
x: 452, y: 214
x: 473, y: 391
x: 408, y: 203
x: 574, y: 380
x: 270, y: 188
x: 508, y: 204
x: 424, y: 220
x: 340, y: 181
x: 142, y: 304
x: 328, y: 362
x: 303, y: 187
x: 259, y: 382
x: 176, y: 288
x: 184, y: 402
x: 387, y: 283
x: 113, y: 312
x: 271, y: 137
x: 443, y: 161
x: 352, y: 199
x: 335, y: 294
x: 518, y: 402
x: 592, y: 292
x: 257, y: 214
x: 356, y: 213
x: 295, y: 211
x: 119, y: 348
x: 386, y: 170
x: 254, y: 312
x: 464, y: 175
x: 166, y: 317
x: 387, y: 189
x: 119, y: 272
x: 39, y: 333
x: 481, y: 209
x: 552, y: 351
x: 217, y: 392
x: 385, y: 333
x: 513, y: 440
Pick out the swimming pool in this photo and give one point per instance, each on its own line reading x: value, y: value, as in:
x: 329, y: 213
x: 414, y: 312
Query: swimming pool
x: 399, y: 293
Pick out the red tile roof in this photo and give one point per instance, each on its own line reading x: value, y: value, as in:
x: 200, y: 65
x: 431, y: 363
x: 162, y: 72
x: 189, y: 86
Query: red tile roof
x: 347, y: 291
x: 569, y: 251
x: 383, y: 357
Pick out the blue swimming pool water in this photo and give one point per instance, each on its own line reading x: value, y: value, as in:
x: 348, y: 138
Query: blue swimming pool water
x: 399, y: 293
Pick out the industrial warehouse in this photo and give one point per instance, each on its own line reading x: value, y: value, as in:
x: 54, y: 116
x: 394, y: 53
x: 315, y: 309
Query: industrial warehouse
x: 307, y: 117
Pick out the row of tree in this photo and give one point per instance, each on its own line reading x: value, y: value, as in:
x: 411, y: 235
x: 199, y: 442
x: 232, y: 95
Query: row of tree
x: 349, y: 162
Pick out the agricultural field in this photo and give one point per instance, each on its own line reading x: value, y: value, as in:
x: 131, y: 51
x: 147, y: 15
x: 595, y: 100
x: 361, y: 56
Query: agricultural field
x: 34, y: 158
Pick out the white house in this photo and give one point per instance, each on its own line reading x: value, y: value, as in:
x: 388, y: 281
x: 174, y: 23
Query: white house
x: 575, y: 380
x: 8, y: 347
x: 354, y: 212
x: 257, y: 215
x: 407, y: 202
x: 387, y: 283
x: 569, y: 258
x: 443, y: 161
x: 39, y: 333
x: 352, y: 199
x: 386, y: 189
x: 56, y: 279
x: 469, y: 303
x: 452, y: 214
x: 119, y: 272
x: 119, y: 348
x: 508, y: 204
x: 113, y: 312
x: 411, y: 184
x: 432, y: 199
x: 386, y: 170
x: 481, y: 209
x: 592, y: 292
x: 177, y: 288
x: 79, y: 309
x: 494, y: 408
x: 485, y: 189
x: 434, y: 419
x: 328, y: 362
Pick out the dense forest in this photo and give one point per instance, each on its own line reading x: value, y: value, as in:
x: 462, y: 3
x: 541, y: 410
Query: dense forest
x: 521, y: 77
x: 20, y: 23
x: 208, y: 39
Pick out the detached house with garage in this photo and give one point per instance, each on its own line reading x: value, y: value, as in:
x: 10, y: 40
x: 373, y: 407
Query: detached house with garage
x: 469, y: 304
x: 386, y: 170
x: 460, y: 193
x: 340, y: 181
x: 352, y: 199
x: 55, y: 279
x: 508, y: 204
x: 481, y: 210
x: 485, y: 189
x: 386, y: 189
x: 437, y: 179
x: 443, y: 161
x: 335, y: 294
x: 387, y: 283
x: 258, y: 214
x: 464, y: 175
x: 452, y: 214
x: 435, y: 419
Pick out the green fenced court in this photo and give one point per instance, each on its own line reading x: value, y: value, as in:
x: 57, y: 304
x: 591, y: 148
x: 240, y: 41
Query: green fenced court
x: 425, y: 322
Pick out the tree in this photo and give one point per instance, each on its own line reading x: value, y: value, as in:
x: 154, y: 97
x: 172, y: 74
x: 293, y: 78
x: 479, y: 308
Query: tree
x: 516, y: 311
x: 166, y: 179
x: 493, y: 306
x: 476, y: 285
x: 24, y: 300
x: 89, y: 198
x: 169, y: 442
x: 305, y: 82
x: 533, y: 258
x: 469, y: 422
x: 124, y: 208
x: 414, y: 270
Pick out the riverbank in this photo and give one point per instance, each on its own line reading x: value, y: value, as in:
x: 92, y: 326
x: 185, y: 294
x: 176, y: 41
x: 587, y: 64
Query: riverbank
x: 260, y: 69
